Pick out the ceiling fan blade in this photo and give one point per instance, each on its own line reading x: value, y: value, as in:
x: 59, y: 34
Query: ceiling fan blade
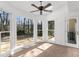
x: 34, y: 11
x: 35, y: 6
x: 40, y: 12
x: 49, y: 4
x: 48, y: 10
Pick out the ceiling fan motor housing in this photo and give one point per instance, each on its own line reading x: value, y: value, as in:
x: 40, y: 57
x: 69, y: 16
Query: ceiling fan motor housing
x: 41, y: 7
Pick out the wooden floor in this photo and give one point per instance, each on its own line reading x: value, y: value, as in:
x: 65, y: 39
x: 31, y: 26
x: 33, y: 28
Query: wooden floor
x: 48, y: 50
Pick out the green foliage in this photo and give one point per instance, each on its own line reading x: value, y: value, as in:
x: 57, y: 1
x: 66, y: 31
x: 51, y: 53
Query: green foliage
x: 50, y: 28
x: 20, y: 32
x: 51, y: 25
x: 39, y: 33
x: 50, y: 33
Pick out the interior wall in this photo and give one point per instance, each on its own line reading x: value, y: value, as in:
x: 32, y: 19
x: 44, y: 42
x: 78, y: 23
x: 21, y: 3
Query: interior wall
x: 74, y: 13
x: 59, y: 17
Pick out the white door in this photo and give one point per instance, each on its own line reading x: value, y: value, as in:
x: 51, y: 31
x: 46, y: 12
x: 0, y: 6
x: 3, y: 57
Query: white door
x: 51, y: 30
x: 71, y: 34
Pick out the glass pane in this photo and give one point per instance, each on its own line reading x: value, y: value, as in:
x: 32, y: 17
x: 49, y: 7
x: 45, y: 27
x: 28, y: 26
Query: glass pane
x: 24, y: 31
x: 50, y: 25
x: 51, y: 30
x: 5, y: 42
x: 50, y: 34
x: 39, y: 30
x: 71, y: 31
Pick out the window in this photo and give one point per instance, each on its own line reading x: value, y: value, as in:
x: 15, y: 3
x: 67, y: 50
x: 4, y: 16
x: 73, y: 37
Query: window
x: 24, y: 31
x: 4, y: 31
x: 39, y: 29
x: 50, y: 29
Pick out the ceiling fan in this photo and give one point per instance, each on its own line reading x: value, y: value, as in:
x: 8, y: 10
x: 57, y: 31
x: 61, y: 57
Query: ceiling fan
x: 41, y: 8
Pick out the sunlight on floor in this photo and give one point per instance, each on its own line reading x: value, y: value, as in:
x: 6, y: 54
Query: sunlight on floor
x: 36, y: 51
x: 33, y: 52
x: 45, y: 46
x: 52, y: 39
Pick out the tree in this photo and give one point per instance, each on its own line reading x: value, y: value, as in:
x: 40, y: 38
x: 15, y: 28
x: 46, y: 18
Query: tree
x: 24, y: 25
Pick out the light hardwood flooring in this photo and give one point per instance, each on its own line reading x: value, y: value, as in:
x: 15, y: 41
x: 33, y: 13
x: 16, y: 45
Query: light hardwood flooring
x: 42, y: 49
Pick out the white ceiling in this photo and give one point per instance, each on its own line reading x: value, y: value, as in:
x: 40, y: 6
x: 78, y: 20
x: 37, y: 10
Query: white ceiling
x: 73, y: 6
x: 26, y: 5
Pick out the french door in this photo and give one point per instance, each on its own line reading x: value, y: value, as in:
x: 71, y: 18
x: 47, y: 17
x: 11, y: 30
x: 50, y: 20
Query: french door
x: 71, y: 32
x: 51, y: 29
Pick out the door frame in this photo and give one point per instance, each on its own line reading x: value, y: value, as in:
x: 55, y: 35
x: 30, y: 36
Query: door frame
x: 50, y: 41
x: 76, y: 29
